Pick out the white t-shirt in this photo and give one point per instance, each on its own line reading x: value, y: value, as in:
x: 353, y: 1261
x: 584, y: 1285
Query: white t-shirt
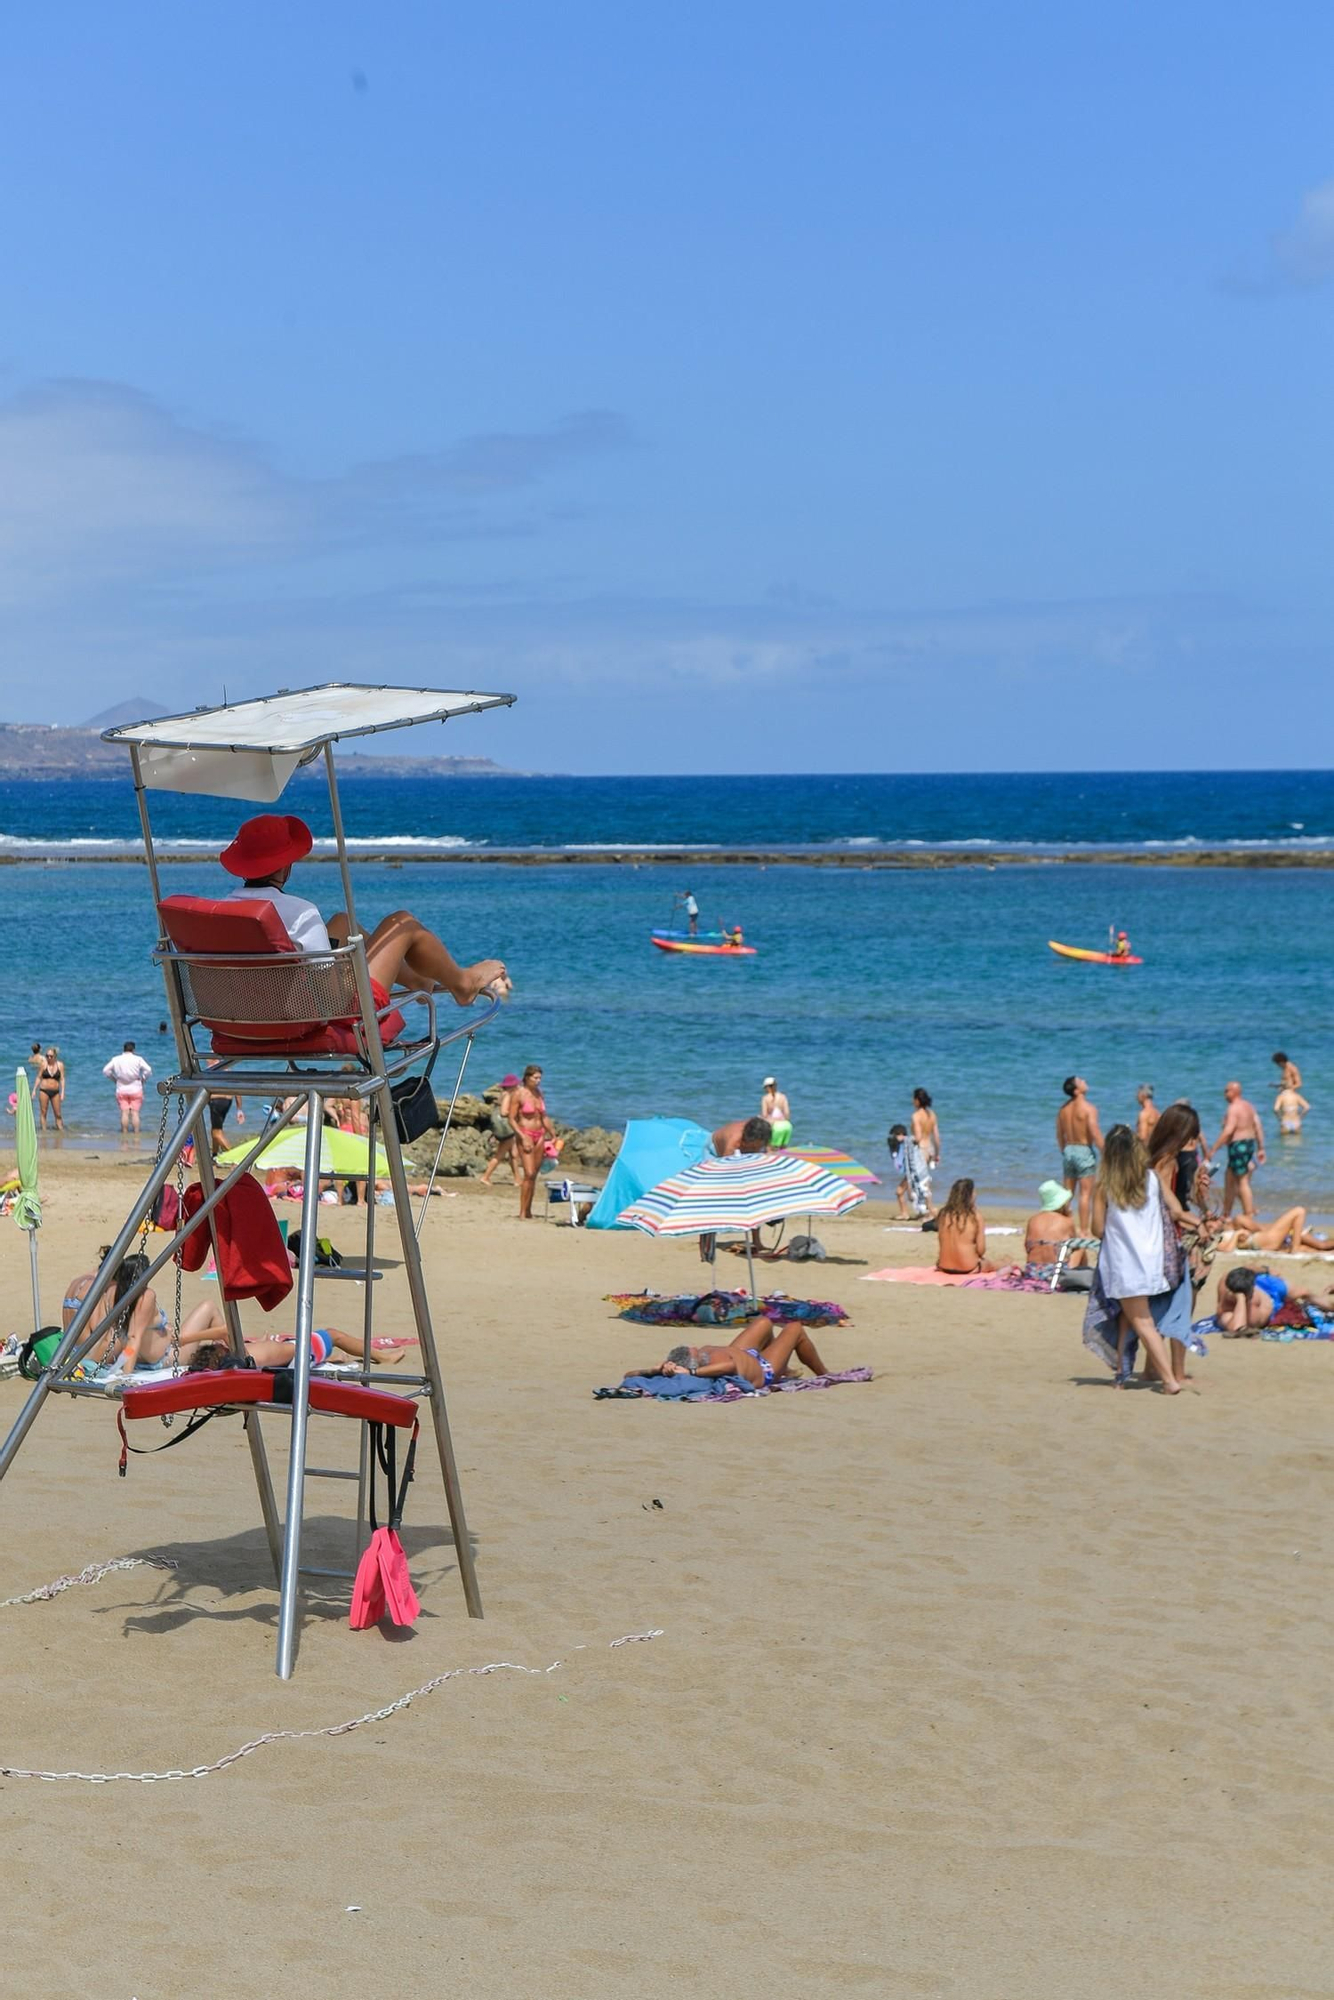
x: 127, y: 1068
x: 301, y: 920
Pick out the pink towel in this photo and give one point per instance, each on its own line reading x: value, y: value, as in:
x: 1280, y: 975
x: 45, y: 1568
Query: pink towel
x: 913, y: 1274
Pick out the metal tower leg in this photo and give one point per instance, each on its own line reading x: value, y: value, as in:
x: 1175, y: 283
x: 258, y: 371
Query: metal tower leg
x: 305, y: 1321
x: 421, y: 1312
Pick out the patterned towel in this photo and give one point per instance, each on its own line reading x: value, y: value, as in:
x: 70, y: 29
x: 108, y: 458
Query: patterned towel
x: 721, y: 1308
x: 718, y: 1388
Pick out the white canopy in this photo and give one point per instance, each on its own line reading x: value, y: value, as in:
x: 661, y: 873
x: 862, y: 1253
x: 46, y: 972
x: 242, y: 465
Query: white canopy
x: 249, y: 749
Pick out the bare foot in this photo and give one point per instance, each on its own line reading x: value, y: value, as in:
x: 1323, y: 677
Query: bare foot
x: 1170, y: 1388
x: 487, y: 976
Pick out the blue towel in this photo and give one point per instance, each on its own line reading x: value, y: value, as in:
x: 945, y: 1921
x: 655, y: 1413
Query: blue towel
x: 679, y: 1388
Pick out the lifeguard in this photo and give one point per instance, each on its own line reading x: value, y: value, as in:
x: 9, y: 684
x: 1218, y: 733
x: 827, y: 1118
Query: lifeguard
x: 264, y: 853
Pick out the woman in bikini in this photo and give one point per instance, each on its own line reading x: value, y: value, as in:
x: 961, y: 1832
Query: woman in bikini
x: 962, y: 1234
x: 204, y: 1339
x: 51, y: 1087
x: 532, y: 1131
x: 758, y: 1352
x: 1287, y: 1232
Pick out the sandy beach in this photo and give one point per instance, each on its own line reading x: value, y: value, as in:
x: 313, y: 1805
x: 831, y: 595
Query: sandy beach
x: 980, y: 1680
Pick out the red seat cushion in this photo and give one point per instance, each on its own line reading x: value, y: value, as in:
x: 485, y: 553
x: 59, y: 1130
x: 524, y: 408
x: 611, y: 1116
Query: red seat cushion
x: 210, y: 1387
x: 241, y: 928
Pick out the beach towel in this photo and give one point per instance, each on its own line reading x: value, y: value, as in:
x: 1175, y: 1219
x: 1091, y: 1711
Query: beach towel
x: 722, y: 1308
x: 1010, y: 1279
x: 719, y: 1388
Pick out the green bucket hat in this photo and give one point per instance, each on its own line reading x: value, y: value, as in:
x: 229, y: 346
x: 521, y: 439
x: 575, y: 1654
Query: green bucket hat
x: 1053, y: 1196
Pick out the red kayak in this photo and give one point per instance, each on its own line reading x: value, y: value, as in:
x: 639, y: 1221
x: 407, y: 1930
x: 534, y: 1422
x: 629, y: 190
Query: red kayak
x: 1093, y: 957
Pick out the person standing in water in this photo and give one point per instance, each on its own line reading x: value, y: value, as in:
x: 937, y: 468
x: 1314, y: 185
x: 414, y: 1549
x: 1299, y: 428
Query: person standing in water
x: 774, y: 1106
x: 1291, y: 1107
x: 1079, y: 1137
x: 1149, y: 1113
x: 926, y: 1128
x: 1289, y: 1076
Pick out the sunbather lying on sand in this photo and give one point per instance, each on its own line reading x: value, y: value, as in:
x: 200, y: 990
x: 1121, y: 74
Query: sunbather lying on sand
x: 1287, y: 1232
x: 148, y: 1342
x: 759, y: 1352
x: 1248, y: 1300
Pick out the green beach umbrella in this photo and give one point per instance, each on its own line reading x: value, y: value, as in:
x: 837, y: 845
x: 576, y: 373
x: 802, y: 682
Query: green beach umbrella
x: 28, y: 1207
x: 342, y: 1154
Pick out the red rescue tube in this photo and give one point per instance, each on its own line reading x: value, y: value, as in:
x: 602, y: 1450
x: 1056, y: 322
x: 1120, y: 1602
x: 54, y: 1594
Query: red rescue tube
x: 210, y: 1388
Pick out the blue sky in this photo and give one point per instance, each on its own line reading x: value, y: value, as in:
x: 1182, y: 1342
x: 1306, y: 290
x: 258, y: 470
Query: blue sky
x: 851, y: 387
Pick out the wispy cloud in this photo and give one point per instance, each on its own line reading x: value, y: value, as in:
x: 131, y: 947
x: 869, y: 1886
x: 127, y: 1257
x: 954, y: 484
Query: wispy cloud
x: 102, y: 490
x: 1299, y: 257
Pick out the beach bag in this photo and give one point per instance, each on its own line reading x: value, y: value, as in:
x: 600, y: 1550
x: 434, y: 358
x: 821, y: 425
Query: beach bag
x: 807, y: 1250
x: 166, y: 1210
x: 39, y: 1352
x: 326, y: 1257
x: 415, y: 1110
x: 383, y: 1587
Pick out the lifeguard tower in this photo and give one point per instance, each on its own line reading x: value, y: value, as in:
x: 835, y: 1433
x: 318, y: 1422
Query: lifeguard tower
x: 255, y: 1018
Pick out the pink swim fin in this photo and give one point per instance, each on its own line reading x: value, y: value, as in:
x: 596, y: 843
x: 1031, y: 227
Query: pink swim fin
x: 368, y: 1589
x: 383, y: 1587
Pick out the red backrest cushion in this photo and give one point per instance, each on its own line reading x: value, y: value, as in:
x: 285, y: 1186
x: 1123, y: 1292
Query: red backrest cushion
x: 221, y: 924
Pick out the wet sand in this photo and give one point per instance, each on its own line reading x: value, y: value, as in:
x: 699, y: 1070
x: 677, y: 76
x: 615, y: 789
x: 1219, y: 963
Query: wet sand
x: 980, y: 1680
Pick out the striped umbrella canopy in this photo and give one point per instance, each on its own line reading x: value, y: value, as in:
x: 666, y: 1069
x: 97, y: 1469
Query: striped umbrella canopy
x: 835, y: 1161
x: 739, y: 1192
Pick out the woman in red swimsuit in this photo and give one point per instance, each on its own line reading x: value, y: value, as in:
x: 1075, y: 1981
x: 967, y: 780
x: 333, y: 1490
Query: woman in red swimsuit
x: 532, y: 1131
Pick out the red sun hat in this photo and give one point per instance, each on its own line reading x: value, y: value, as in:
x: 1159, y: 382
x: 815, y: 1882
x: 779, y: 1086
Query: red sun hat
x: 266, y: 844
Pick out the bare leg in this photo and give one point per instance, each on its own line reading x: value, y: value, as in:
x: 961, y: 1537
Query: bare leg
x: 1229, y: 1191
x: 530, y: 1161
x: 779, y: 1344
x: 1136, y: 1313
x: 1178, y: 1352
x: 400, y: 944
x: 1085, y: 1205
x: 1247, y: 1193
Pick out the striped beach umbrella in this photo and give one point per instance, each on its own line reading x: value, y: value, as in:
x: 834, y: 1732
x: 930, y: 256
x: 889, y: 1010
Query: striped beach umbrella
x: 835, y: 1161
x: 738, y: 1194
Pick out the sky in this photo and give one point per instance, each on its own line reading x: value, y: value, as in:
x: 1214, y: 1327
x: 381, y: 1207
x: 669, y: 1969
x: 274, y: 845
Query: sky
x: 838, y: 387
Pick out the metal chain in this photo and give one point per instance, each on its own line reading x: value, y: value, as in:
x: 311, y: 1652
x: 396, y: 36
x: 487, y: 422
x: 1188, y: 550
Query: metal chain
x: 390, y: 1708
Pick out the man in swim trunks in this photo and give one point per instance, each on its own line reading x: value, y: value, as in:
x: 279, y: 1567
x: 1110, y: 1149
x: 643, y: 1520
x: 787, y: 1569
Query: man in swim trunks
x: 1079, y: 1137
x: 263, y: 854
x: 759, y: 1352
x: 1243, y: 1135
x: 128, y: 1071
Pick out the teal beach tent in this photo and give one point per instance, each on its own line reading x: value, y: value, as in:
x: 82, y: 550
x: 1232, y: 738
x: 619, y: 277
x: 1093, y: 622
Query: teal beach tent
x: 652, y: 1150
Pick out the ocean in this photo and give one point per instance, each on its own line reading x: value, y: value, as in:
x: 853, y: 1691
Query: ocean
x: 866, y: 982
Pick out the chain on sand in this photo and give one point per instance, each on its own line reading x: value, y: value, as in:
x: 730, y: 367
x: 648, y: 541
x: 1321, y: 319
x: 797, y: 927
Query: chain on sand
x: 95, y: 1571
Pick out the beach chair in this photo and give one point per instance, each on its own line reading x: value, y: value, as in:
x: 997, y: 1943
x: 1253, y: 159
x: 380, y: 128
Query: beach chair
x: 578, y: 1194
x: 256, y: 1018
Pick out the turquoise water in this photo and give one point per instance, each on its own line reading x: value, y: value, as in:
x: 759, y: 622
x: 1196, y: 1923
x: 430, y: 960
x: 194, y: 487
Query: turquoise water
x: 866, y: 983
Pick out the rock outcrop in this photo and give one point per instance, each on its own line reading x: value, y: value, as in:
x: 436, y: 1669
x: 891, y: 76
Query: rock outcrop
x: 470, y: 1141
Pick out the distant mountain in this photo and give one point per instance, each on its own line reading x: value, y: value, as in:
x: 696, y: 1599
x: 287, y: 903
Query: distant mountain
x: 43, y: 750
x: 139, y: 708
